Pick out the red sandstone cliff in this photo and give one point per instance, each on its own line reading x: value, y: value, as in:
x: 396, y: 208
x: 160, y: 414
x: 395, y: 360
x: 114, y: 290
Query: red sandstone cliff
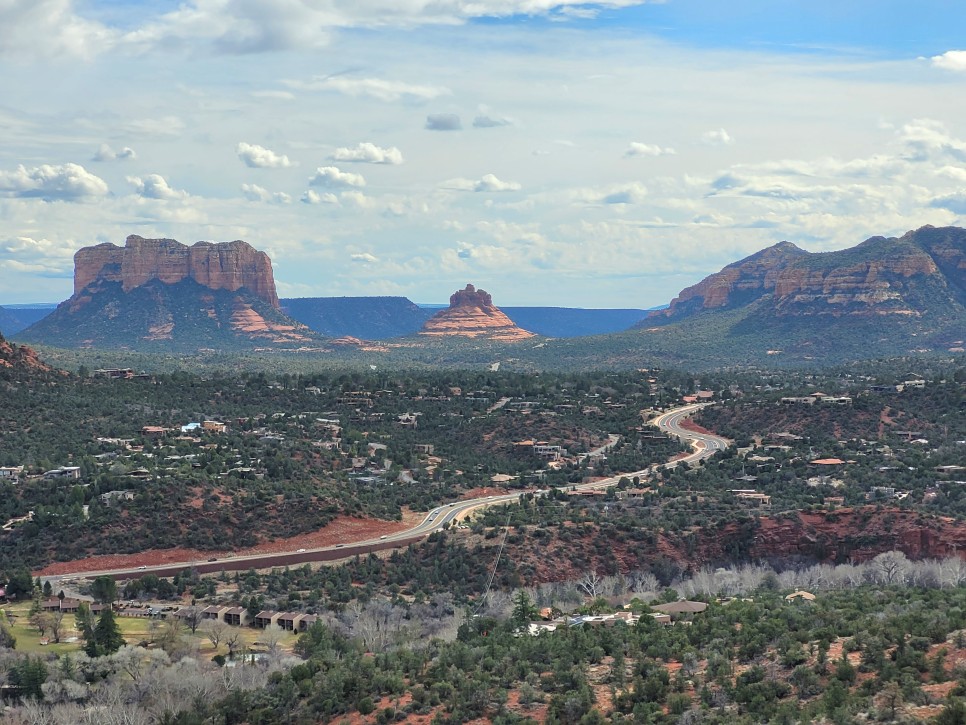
x: 471, y: 313
x: 897, y: 276
x: 228, y: 266
x: 20, y: 358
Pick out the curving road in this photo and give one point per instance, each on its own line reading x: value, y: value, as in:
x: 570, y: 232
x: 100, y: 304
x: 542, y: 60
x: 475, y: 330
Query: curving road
x: 704, y: 445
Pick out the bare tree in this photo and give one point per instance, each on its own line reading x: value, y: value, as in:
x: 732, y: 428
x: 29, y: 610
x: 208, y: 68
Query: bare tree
x: 643, y: 582
x: 231, y: 640
x: 214, y: 630
x: 57, y: 625
x: 191, y: 616
x: 889, y: 567
x: 591, y: 584
x: 42, y: 621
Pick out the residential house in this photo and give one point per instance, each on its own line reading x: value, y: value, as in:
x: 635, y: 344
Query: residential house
x: 266, y: 619
x: 68, y: 472
x: 214, y: 612
x: 237, y: 616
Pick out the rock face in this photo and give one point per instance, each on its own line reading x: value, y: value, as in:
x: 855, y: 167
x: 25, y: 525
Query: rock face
x: 471, y: 313
x: 160, y: 295
x: 16, y: 359
x: 896, y: 276
x: 226, y: 266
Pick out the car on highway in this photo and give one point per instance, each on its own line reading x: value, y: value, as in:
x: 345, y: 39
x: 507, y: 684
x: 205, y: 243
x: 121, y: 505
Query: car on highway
x: 300, y: 551
x: 142, y: 567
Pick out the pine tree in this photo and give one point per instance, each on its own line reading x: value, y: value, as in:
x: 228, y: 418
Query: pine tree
x: 106, y: 637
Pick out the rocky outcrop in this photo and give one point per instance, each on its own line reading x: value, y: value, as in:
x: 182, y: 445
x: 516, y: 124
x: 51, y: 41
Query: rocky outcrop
x: 471, y: 313
x: 20, y: 359
x: 218, y: 266
x: 881, y: 276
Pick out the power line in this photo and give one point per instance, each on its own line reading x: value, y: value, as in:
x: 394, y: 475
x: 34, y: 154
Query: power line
x: 499, y: 554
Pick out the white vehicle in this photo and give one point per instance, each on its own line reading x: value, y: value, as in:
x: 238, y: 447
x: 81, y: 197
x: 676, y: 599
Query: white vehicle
x: 300, y: 551
x: 384, y: 536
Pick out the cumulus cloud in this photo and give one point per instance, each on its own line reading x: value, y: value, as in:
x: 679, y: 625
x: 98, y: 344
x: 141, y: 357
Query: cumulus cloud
x: 719, y: 137
x: 334, y: 176
x: 369, y: 153
x: 50, y: 28
x: 154, y: 186
x: 314, y: 197
x: 954, y: 60
x: 646, y: 149
x: 926, y: 139
x: 254, y: 192
x: 377, y: 88
x: 259, y: 157
x: 487, y: 121
x: 364, y: 258
x: 106, y: 153
x: 488, y: 183
x: 40, y: 256
x: 443, y: 122
x: 66, y: 182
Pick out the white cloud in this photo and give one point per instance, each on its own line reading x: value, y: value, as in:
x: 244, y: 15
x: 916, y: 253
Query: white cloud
x: 719, y: 137
x: 314, y: 197
x: 488, y: 183
x: 274, y: 95
x: 487, y: 121
x: 49, y: 28
x: 254, y: 192
x: 954, y: 60
x: 926, y: 139
x: 106, y: 153
x: 369, y: 153
x: 364, y: 258
x: 645, y: 149
x: 627, y: 194
x: 377, y: 88
x: 443, y: 122
x: 156, y: 126
x: 257, y: 26
x: 65, y: 182
x: 154, y: 186
x: 259, y: 157
x: 335, y: 177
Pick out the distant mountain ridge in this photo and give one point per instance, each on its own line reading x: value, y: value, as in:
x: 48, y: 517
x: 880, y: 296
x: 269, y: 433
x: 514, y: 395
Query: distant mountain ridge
x: 921, y: 274
x: 15, y: 319
x: 366, y: 318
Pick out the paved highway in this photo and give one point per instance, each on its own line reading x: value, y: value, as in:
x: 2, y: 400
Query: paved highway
x: 704, y: 445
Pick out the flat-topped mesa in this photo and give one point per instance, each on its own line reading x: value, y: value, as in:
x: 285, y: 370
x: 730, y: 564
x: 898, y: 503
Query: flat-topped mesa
x: 226, y: 265
x: 471, y: 313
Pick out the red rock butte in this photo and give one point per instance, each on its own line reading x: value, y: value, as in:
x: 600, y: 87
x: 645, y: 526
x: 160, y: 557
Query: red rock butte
x: 226, y: 265
x: 471, y: 313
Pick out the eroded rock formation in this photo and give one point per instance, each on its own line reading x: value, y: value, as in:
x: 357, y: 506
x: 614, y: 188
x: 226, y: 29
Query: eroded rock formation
x: 218, y: 266
x: 471, y: 313
x: 880, y: 276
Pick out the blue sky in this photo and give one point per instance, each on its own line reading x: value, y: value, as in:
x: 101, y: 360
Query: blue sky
x: 596, y: 155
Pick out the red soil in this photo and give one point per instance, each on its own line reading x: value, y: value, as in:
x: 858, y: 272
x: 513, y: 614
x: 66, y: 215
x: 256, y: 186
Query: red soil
x: 342, y: 530
x: 690, y: 425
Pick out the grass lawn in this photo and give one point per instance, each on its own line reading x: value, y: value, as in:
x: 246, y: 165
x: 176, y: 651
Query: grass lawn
x: 28, y: 638
x: 134, y: 630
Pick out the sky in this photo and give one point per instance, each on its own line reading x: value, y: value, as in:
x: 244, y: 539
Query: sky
x: 558, y: 153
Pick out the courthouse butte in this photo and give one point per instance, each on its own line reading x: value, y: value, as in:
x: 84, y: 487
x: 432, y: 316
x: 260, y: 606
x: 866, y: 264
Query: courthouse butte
x: 471, y: 313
